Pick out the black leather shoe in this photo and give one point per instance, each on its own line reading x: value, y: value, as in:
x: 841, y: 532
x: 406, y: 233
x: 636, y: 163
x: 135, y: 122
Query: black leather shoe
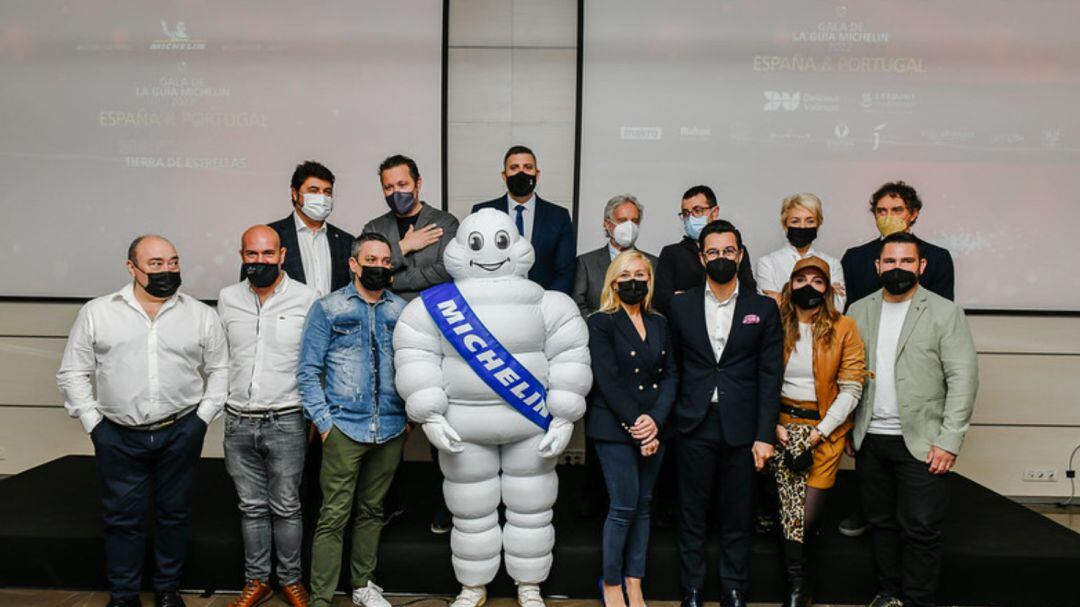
x: 692, y: 598
x: 732, y: 598
x: 854, y: 525
x: 168, y: 598
x: 131, y: 601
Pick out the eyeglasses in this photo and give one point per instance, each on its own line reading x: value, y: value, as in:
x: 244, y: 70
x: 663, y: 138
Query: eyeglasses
x: 727, y: 252
x: 694, y: 211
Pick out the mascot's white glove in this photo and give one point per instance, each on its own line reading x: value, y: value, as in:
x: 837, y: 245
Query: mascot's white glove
x: 441, y: 435
x: 557, y: 438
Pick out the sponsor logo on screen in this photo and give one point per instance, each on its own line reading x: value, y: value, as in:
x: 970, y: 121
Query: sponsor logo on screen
x: 641, y: 133
x: 807, y: 102
x: 176, y: 39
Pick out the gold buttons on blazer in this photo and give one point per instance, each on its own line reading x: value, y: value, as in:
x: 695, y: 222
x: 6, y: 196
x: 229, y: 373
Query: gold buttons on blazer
x: 632, y: 353
x: 637, y: 370
x: 641, y: 387
x: 654, y: 386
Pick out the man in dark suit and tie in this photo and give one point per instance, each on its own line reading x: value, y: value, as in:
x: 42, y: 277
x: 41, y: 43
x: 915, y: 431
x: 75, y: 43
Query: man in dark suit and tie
x: 547, y: 226
x: 316, y: 252
x: 896, y: 206
x: 679, y: 269
x: 622, y: 221
x: 729, y: 344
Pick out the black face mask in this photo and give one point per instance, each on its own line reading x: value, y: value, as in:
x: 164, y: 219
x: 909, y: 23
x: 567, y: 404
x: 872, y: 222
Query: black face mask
x: 162, y: 284
x: 721, y: 269
x: 898, y: 280
x: 521, y: 184
x: 807, y: 297
x: 375, y: 278
x: 801, y: 237
x: 260, y: 274
x: 401, y: 202
x: 633, y: 291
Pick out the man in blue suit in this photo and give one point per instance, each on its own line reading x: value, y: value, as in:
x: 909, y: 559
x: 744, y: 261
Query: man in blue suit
x: 547, y: 226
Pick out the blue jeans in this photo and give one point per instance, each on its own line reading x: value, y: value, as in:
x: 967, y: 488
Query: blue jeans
x: 630, y: 479
x: 265, y: 457
x: 133, y: 465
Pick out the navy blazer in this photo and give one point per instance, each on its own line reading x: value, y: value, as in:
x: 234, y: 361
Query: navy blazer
x: 553, y: 240
x: 748, y: 375
x: 861, y: 277
x: 340, y: 247
x: 631, y: 376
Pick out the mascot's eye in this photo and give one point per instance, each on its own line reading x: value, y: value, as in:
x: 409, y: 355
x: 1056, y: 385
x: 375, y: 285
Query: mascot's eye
x: 476, y: 241
x: 502, y: 239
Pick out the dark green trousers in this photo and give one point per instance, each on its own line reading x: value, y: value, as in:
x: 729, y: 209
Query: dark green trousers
x: 353, y: 476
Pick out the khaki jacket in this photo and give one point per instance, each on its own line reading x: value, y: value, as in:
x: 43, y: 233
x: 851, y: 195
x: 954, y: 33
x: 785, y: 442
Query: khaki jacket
x: 937, y: 373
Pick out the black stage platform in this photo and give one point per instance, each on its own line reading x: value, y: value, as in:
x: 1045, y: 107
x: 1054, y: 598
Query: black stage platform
x: 997, y: 552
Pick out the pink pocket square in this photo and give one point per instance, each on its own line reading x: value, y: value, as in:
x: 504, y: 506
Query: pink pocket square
x: 751, y: 319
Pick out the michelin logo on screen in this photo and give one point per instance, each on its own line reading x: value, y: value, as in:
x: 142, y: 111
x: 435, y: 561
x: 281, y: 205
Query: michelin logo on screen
x: 176, y: 39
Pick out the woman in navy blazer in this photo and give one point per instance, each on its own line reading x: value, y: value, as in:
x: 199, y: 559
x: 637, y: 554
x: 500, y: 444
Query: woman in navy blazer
x: 635, y: 385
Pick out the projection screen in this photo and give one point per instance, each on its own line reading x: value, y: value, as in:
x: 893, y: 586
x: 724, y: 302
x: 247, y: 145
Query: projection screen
x: 973, y: 102
x: 188, y: 118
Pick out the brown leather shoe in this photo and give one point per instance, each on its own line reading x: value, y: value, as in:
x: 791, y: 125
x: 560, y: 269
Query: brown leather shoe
x: 254, y: 593
x: 295, y: 595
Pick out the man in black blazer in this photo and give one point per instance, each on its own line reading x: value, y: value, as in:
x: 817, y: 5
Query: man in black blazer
x: 729, y: 345
x: 895, y: 206
x: 679, y: 268
x: 321, y: 261
x: 547, y: 226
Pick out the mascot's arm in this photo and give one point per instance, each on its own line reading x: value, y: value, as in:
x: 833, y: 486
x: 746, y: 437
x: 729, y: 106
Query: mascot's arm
x: 418, y: 374
x: 566, y: 346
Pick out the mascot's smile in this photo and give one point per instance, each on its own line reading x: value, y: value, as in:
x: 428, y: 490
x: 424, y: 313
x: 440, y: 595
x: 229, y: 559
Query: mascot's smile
x: 490, y: 267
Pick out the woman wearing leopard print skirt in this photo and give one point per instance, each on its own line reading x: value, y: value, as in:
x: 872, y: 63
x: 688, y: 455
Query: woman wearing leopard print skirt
x: 824, y: 370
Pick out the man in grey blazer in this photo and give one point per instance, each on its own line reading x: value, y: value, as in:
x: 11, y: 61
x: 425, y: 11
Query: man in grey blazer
x: 911, y: 420
x: 418, y: 233
x: 622, y: 221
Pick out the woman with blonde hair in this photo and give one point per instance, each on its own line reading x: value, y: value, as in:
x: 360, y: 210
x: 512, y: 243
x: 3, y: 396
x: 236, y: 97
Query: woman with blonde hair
x: 801, y: 216
x: 634, y: 390
x: 824, y: 370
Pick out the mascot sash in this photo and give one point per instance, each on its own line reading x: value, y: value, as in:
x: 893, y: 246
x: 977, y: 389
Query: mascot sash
x: 488, y: 358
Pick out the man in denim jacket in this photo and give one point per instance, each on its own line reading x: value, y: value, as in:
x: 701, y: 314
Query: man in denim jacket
x: 348, y: 348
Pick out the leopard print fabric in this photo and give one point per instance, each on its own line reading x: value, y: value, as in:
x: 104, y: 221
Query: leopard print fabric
x: 791, y: 485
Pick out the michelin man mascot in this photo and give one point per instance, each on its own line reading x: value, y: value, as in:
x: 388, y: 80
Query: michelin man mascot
x: 496, y: 369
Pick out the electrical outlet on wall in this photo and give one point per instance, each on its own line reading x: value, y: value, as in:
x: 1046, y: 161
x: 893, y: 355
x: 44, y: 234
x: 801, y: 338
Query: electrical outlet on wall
x: 1040, y: 475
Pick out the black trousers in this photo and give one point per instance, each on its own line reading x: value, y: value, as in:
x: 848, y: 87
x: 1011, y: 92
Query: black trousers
x: 133, y: 465
x: 707, y: 464
x: 905, y: 506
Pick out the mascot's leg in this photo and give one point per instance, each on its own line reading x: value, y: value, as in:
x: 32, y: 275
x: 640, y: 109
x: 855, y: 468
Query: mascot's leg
x: 529, y: 488
x: 471, y: 489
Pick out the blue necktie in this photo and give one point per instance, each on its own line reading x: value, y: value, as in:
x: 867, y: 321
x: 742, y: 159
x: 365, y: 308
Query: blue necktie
x: 520, y: 219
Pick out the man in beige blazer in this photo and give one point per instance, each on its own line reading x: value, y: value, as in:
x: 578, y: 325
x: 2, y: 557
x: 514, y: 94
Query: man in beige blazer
x: 911, y: 420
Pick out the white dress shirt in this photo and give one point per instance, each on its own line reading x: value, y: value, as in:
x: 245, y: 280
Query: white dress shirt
x: 145, y: 370
x: 314, y: 255
x: 774, y: 270
x: 885, y: 418
x: 718, y: 317
x: 528, y: 216
x: 264, y: 343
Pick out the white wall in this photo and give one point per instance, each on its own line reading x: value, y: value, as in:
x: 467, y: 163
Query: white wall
x: 512, y: 80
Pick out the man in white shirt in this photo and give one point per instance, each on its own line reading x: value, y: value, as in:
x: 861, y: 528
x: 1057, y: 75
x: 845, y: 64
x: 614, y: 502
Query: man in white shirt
x: 265, y: 431
x: 143, y: 347
x: 318, y: 251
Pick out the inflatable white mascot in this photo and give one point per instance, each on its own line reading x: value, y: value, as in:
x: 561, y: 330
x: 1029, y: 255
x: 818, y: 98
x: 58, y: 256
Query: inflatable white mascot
x: 496, y: 369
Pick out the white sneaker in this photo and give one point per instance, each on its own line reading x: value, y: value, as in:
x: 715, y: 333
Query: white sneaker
x: 471, y: 596
x: 529, y: 595
x: 369, y: 596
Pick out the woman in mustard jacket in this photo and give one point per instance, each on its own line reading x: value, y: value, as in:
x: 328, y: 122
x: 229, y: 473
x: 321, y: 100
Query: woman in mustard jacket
x: 824, y: 370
